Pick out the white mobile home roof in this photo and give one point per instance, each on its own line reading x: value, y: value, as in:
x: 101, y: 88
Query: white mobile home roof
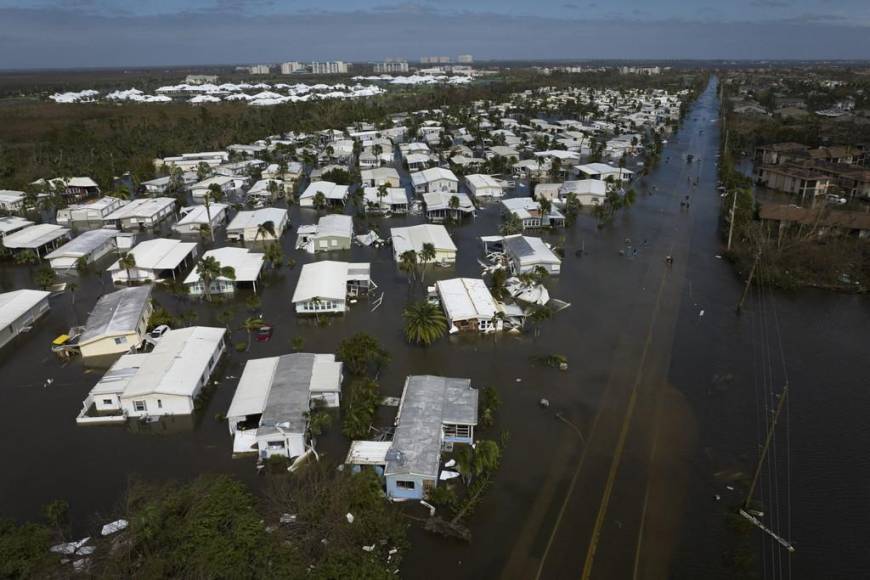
x: 368, y: 452
x: 482, y: 180
x: 413, y: 238
x: 83, y: 245
x: 141, y: 208
x: 35, y: 236
x: 246, y: 264
x: 466, y: 299
x: 529, y: 250
x: 12, y: 223
x: 116, y: 313
x: 177, y: 363
x: 15, y: 304
x: 329, y: 189
x: 326, y: 279
x: 335, y: 225
x: 395, y: 196
x: 159, y: 254
x: 257, y: 217
x: 432, y: 174
x: 253, y: 389
x: 119, y: 374
x: 198, y: 214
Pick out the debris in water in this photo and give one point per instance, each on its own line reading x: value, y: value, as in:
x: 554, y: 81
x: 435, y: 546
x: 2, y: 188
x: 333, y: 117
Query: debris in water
x: 519, y: 380
x: 114, y: 527
x: 717, y: 497
x: 368, y: 548
x: 47, y: 383
x: 545, y: 403
x: 701, y: 313
x: 450, y: 463
x: 349, y: 517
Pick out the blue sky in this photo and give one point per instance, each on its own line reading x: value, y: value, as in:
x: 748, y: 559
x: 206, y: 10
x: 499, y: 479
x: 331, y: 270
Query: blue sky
x: 74, y: 33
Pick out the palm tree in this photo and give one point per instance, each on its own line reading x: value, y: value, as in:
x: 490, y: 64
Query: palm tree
x: 252, y: 325
x: 424, y: 323
x: 408, y: 264
x: 127, y: 262
x: 26, y: 257
x: 453, y: 204
x: 427, y: 255
x: 214, y: 193
x: 209, y: 269
x: 273, y: 255
x: 475, y: 461
x: 538, y: 315
x: 382, y: 193
x: 319, y: 201
x: 265, y: 228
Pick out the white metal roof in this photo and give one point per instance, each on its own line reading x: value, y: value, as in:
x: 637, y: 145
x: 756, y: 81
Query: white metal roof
x: 159, y: 254
x: 481, y: 180
x: 119, y: 374
x: 177, y: 363
x: 253, y: 388
x: 13, y: 223
x: 145, y: 207
x: 529, y: 250
x: 116, y: 313
x: 368, y: 452
x: 326, y: 279
x: 35, y: 236
x: 329, y: 189
x: 413, y: 238
x: 395, y: 196
x: 246, y: 264
x: 257, y: 217
x: 433, y: 174
x: 15, y: 304
x: 438, y: 200
x: 83, y: 245
x: 198, y: 214
x: 466, y: 299
x: 335, y: 225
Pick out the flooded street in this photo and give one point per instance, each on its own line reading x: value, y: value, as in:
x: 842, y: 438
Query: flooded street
x: 622, y: 487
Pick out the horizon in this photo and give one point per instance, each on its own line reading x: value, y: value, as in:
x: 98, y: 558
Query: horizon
x: 68, y: 34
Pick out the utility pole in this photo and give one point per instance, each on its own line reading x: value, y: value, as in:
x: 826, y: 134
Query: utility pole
x: 749, y: 281
x: 745, y: 509
x: 731, y: 224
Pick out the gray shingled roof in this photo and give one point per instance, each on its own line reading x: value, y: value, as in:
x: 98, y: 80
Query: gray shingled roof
x: 289, y: 395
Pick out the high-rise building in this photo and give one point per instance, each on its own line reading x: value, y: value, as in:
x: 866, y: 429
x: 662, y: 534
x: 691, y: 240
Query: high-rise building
x: 288, y: 68
x: 391, y: 66
x: 259, y: 69
x: 435, y: 60
x: 329, y: 68
x: 465, y: 59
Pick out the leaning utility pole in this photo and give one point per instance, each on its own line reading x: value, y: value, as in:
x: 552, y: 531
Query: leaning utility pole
x: 749, y: 281
x: 745, y: 510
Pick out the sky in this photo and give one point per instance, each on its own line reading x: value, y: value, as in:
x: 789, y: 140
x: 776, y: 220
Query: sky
x: 130, y: 33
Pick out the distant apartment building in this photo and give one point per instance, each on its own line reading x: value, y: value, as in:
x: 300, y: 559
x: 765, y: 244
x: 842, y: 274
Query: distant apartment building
x: 640, y: 70
x: 465, y: 59
x: 259, y: 69
x: 288, y: 68
x: 391, y: 66
x: 435, y: 60
x: 200, y: 79
x: 329, y: 68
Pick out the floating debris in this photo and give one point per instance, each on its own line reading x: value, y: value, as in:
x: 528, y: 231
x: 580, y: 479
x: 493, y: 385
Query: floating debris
x: 545, y: 403
x: 114, y: 527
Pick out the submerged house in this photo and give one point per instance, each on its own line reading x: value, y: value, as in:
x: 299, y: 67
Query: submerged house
x: 524, y: 253
x: 529, y: 213
x: 441, y: 205
x: 247, y: 226
x: 415, y: 237
x: 143, y: 213
x: 11, y: 224
x: 11, y: 201
x: 91, y: 214
x: 165, y: 381
x: 39, y: 238
x: 195, y: 217
x: 394, y: 201
x: 484, y: 186
x: 89, y: 246
x: 333, y: 193
x: 19, y: 310
x: 469, y: 305
x: 324, y: 287
x: 246, y: 264
x: 156, y: 259
x: 117, y: 323
x: 332, y: 233
x: 435, y: 179
x: 434, y: 413
x: 269, y: 411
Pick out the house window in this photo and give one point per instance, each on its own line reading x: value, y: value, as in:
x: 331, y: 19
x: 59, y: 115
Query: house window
x: 159, y: 404
x: 451, y: 430
x: 139, y: 406
x: 121, y: 340
x: 405, y: 484
x: 107, y: 401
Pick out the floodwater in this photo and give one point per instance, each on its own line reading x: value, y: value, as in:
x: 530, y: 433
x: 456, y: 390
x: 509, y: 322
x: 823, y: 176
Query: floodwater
x: 624, y: 486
